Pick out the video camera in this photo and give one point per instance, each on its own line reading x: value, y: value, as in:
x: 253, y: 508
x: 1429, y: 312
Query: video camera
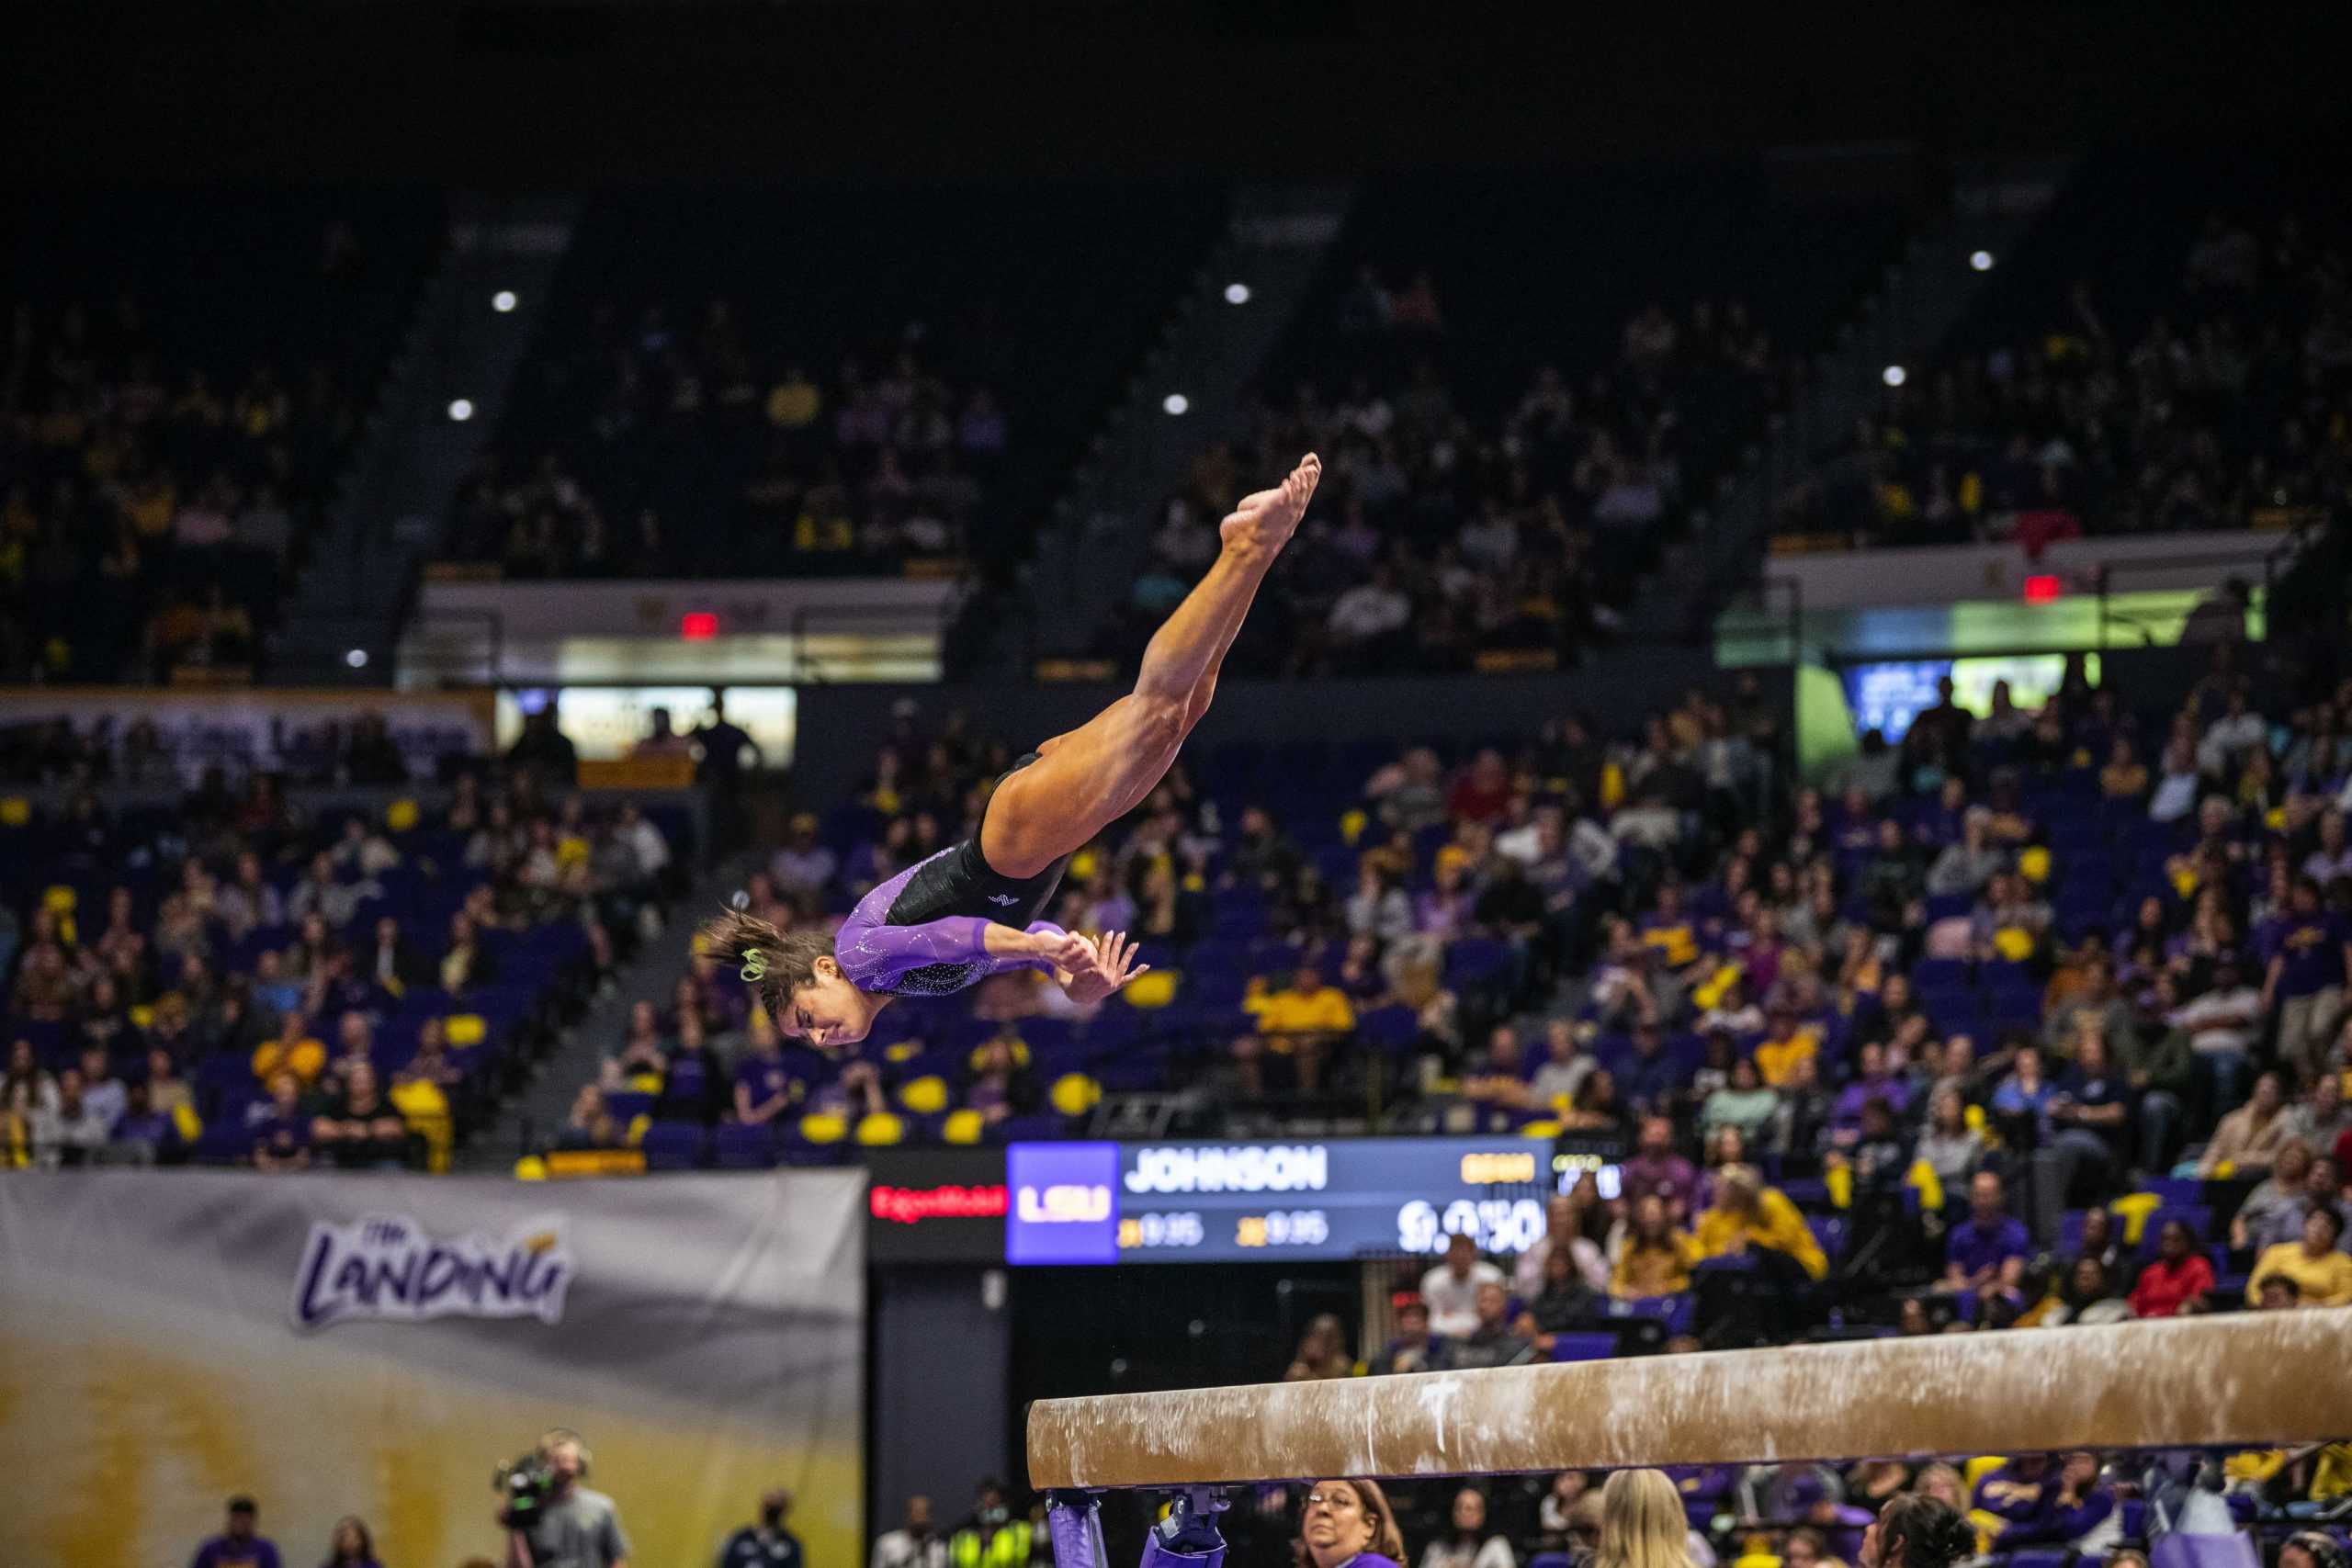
x: 526, y: 1484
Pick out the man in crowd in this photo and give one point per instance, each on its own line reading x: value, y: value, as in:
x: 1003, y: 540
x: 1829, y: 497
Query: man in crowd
x: 575, y: 1527
x: 1450, y: 1289
x: 239, y: 1545
x: 994, y: 1536
x: 915, y: 1544
x: 1657, y: 1169
x: 1986, y: 1252
x: 766, y: 1544
x: 1414, y: 1348
x: 1492, y: 1341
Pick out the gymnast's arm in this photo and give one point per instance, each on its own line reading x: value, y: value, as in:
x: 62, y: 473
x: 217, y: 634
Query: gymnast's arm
x: 871, y: 954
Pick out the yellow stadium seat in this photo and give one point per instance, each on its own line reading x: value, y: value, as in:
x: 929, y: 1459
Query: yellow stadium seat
x: 2013, y: 943
x: 16, y: 811
x: 902, y: 1051
x: 424, y: 1107
x: 880, y: 1129
x: 1075, y: 1094
x: 1351, y: 824
x: 530, y: 1167
x: 1980, y: 1467
x: 400, y: 814
x: 1541, y: 1130
x: 460, y: 1028
x: 1155, y: 989
x: 144, y: 1016
x: 2133, y: 1210
x: 59, y: 901
x: 961, y: 1127
x: 824, y: 1127
x: 925, y: 1096
x: 2034, y: 862
x: 1922, y: 1176
x: 637, y: 1127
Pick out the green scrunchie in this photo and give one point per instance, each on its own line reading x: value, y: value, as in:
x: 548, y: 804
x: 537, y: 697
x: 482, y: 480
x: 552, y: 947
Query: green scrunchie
x: 756, y: 966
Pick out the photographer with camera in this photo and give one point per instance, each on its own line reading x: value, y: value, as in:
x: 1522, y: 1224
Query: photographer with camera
x: 552, y: 1521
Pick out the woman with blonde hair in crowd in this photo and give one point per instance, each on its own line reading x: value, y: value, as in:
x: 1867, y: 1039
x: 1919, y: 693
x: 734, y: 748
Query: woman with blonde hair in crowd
x: 1643, y: 1523
x: 1347, y: 1523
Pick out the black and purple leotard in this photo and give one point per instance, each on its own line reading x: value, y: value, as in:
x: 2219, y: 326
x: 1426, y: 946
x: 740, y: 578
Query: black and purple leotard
x: 924, y: 932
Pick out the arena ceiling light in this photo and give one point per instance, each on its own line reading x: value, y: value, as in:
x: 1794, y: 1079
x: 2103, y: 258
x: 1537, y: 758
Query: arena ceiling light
x: 1894, y: 376
x: 1237, y: 293
x: 461, y: 408
x: 1982, y: 261
x: 1175, y: 402
x: 356, y: 659
x: 502, y: 302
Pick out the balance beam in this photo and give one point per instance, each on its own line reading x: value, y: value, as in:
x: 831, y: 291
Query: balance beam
x: 2264, y: 1379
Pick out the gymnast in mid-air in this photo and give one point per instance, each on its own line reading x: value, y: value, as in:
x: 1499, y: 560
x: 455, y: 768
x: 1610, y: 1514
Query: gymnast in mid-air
x: 971, y: 910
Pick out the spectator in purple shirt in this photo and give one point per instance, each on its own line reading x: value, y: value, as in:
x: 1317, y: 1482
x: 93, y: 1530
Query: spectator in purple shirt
x: 1986, y: 1252
x: 282, y: 1137
x: 1656, y: 1169
x: 2310, y: 953
x: 238, y: 1546
x: 1651, y: 1078
x: 1871, y: 1081
x: 764, y: 1087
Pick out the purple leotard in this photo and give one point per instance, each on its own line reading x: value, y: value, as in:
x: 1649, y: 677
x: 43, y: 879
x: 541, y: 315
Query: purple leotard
x: 924, y: 932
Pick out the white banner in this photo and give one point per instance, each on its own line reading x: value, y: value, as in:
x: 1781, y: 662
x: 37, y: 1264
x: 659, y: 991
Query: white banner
x: 377, y: 1345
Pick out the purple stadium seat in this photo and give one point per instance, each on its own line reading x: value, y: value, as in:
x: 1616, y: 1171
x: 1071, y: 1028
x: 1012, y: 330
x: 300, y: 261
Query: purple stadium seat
x: 2231, y: 1550
x: 1583, y: 1346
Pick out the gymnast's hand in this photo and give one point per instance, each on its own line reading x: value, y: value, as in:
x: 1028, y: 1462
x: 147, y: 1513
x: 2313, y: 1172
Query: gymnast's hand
x: 1111, y: 964
x: 1065, y: 951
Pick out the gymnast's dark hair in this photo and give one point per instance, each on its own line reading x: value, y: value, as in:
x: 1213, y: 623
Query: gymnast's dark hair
x: 774, y: 962
x: 1931, y: 1533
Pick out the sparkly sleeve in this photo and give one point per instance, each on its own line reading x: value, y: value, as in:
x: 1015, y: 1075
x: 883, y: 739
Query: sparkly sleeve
x: 871, y: 955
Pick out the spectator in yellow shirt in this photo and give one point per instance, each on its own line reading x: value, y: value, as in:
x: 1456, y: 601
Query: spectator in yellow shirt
x: 1657, y: 1258
x: 1302, y: 1021
x: 1749, y: 1213
x: 2323, y: 1276
x: 1786, y: 1043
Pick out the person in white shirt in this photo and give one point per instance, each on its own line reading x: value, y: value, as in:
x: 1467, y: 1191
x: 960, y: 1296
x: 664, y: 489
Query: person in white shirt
x: 2177, y: 783
x: 651, y: 849
x: 1565, y: 1067
x: 1470, y: 1544
x: 1369, y: 610
x: 2333, y: 858
x: 1563, y: 1222
x: 1450, y: 1289
x: 2225, y: 1019
x: 2239, y: 730
x: 913, y: 1545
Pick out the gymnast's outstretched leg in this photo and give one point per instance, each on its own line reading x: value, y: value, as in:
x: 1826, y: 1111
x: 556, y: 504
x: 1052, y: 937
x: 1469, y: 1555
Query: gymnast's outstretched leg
x: 1089, y: 778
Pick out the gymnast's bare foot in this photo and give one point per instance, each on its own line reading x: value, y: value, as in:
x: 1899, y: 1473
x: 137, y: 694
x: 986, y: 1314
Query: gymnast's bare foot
x: 1266, y: 520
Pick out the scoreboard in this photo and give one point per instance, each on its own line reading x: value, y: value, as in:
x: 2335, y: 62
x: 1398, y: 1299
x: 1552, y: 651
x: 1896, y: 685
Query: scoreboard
x: 1145, y: 1203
